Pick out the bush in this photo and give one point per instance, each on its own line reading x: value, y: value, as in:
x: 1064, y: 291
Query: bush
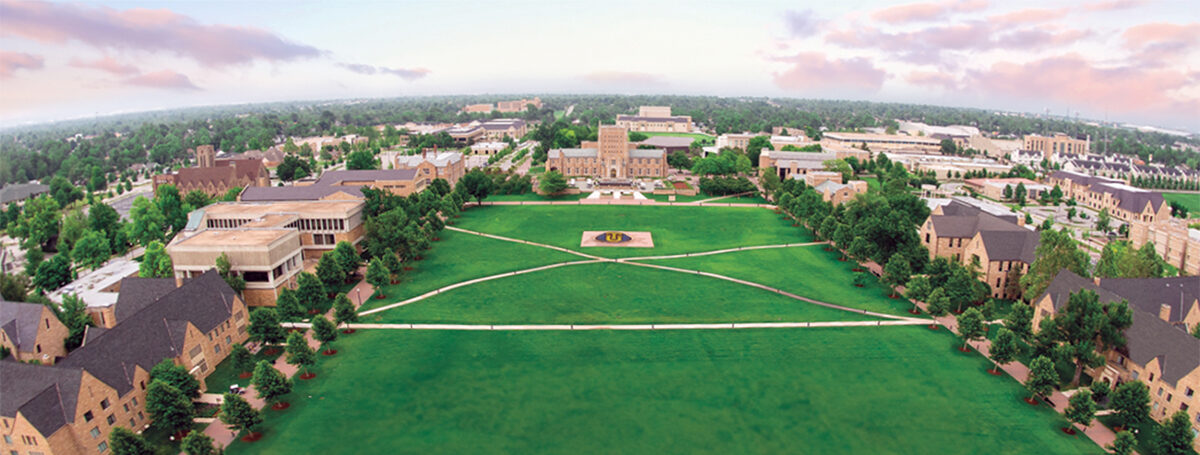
x: 721, y: 186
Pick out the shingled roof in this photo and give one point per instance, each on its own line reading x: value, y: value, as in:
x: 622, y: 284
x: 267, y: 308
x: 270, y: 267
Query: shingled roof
x: 21, y: 191
x: 1011, y: 245
x: 1150, y: 294
x: 138, y: 293
x: 44, y: 395
x: 1149, y: 337
x: 19, y: 321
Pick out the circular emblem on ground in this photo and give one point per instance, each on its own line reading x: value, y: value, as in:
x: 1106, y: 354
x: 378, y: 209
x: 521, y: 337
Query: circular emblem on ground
x: 613, y: 237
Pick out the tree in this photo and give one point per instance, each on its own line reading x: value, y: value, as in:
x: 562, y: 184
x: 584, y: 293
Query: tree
x: 395, y: 268
x: 343, y: 310
x: 310, y: 292
x: 39, y: 223
x: 839, y: 166
x: 1124, y: 443
x: 1019, y: 319
x: 970, y: 326
x: 54, y: 273
x: 1008, y: 192
x: 125, y: 442
x: 552, y: 182
x: 171, y: 205
x: 329, y: 270
x: 197, y: 199
x: 287, y: 305
x: 104, y: 219
x: 73, y: 314
x: 1084, y: 321
x: 264, y: 326
x: 1081, y: 409
x: 362, y: 159
x: 197, y: 443
x: 91, y: 250
x: 170, y: 408
x: 225, y: 269
x: 176, y: 376
x: 896, y: 273
x: 238, y: 414
x: 270, y: 383
x: 293, y: 168
x: 378, y: 276
x: 476, y: 184
x: 1130, y: 403
x: 937, y: 302
x: 1055, y: 251
x: 1004, y: 348
x: 1175, y: 437
x: 324, y: 331
x: 156, y: 263
x: 1042, y: 378
x: 241, y: 358
x: 1019, y: 194
x: 1012, y: 284
x: 348, y: 259
x: 298, y: 352
x: 1103, y: 220
x: 72, y: 226
x: 917, y: 290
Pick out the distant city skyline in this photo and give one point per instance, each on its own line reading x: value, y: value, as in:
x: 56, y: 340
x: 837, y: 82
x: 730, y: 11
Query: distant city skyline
x: 1126, y: 61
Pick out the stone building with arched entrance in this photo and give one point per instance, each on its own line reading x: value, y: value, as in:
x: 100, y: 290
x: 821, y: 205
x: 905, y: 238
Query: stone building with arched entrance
x: 612, y: 158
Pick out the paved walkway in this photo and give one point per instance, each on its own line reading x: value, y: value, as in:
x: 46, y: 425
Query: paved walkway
x: 623, y: 202
x: 727, y: 196
x: 567, y: 327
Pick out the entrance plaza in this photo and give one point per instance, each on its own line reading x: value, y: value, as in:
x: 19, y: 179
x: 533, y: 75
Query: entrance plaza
x: 732, y: 332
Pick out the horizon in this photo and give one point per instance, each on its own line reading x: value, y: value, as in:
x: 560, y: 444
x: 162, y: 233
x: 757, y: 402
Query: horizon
x: 66, y: 61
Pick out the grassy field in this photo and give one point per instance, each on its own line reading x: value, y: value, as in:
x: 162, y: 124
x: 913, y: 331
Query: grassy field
x: 674, y: 229
x: 459, y: 257
x: 224, y: 375
x: 533, y: 197
x: 895, y: 390
x: 1191, y: 201
x: 808, y: 271
x: 607, y: 293
x: 691, y: 135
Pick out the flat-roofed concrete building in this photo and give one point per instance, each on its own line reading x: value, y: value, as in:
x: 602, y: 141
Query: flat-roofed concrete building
x: 267, y: 243
x: 1058, y: 144
x: 1173, y: 238
x: 436, y: 165
x: 994, y: 188
x: 498, y: 129
x: 655, y: 119
x: 880, y: 142
x: 789, y: 164
x: 465, y: 135
x: 341, y: 185
x: 488, y: 148
x: 611, y: 159
x: 520, y: 105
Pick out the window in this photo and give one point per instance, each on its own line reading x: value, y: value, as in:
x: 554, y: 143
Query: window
x: 257, y: 276
x: 1160, y: 390
x: 7, y: 439
x: 1151, y: 377
x: 1189, y: 392
x: 217, y: 348
x: 87, y: 416
x: 134, y: 401
x: 102, y: 446
x: 1135, y: 375
x: 95, y: 432
x: 111, y: 420
x: 228, y: 340
x: 140, y: 416
x: 126, y: 406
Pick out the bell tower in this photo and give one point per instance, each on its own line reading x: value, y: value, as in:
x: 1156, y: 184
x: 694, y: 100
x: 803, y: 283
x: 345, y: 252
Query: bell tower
x: 614, y: 151
x: 206, y: 156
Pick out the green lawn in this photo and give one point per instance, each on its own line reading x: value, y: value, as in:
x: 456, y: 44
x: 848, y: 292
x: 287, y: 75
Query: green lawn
x: 691, y: 135
x: 607, y: 293
x: 808, y: 271
x: 674, y: 229
x: 1189, y: 200
x: 895, y: 390
x: 224, y: 375
x: 532, y: 196
x: 459, y: 257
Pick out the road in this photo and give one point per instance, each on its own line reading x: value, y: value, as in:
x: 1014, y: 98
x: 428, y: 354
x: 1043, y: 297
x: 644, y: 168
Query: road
x: 122, y: 204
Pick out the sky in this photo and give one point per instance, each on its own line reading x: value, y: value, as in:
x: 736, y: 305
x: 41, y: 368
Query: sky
x: 1132, y: 61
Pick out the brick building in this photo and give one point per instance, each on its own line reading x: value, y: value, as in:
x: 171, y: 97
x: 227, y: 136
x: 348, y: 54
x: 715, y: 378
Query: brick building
x: 655, y: 119
x: 612, y: 159
x: 215, y: 177
x: 448, y: 166
x: 1058, y: 144
x: 998, y: 243
x: 1173, y: 238
x: 1123, y: 202
x: 31, y: 332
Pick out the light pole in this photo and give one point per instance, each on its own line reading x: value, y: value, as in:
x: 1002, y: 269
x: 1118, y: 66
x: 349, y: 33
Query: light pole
x: 358, y: 294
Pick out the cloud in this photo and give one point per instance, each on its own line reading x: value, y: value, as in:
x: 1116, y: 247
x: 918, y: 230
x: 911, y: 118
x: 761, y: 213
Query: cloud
x: 934, y: 79
x: 10, y: 62
x: 926, y: 45
x: 623, y: 78
x: 1113, y: 5
x: 165, y: 79
x: 1075, y: 80
x: 1161, y: 42
x: 1028, y: 16
x: 158, y: 30
x: 923, y: 12
x: 106, y: 64
x: 813, y: 70
x: 801, y: 23
x: 408, y: 74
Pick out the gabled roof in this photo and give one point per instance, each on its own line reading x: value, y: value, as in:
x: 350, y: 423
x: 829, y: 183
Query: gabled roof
x: 1067, y: 282
x: 1150, y: 294
x: 1010, y: 245
x: 1177, y: 351
x: 45, y: 395
x: 19, y: 321
x: 1130, y: 198
x: 572, y: 153
x: 21, y: 191
x: 138, y: 293
x: 967, y: 225
x: 647, y: 153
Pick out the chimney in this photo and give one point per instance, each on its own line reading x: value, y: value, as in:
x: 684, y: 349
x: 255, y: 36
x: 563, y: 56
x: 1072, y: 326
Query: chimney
x: 1164, y: 312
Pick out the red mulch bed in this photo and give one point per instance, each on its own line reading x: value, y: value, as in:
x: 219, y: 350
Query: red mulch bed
x: 245, y: 375
x: 1030, y: 401
x: 841, y: 259
x: 314, y: 312
x: 1068, y: 430
x: 281, y: 405
x: 962, y: 349
x: 933, y: 327
x: 348, y: 331
x: 857, y: 269
x: 828, y: 249
x: 393, y: 281
x: 914, y: 311
x: 407, y: 268
x: 271, y: 351
x: 419, y: 258
x: 252, y: 437
x: 858, y: 285
x: 679, y: 185
x: 994, y: 372
x: 380, y: 296
x: 795, y: 224
x: 893, y: 296
x: 437, y: 239
x: 329, y: 352
x: 307, y: 376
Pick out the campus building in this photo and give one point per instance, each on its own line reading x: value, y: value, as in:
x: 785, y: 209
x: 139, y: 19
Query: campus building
x: 994, y: 188
x: 341, y: 185
x: 448, y: 166
x: 839, y: 193
x: 267, y: 243
x: 1122, y: 201
x: 501, y: 128
x: 216, y: 177
x: 881, y: 142
x: 503, y: 106
x: 995, y: 242
x: 465, y: 135
x: 742, y: 140
x: 71, y: 407
x: 655, y: 119
x: 611, y: 159
x: 1159, y: 351
x: 1176, y: 242
x: 797, y: 164
x: 19, y: 192
x: 31, y: 332
x: 1058, y: 144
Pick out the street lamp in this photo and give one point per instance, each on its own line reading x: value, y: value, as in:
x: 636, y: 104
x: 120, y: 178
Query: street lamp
x: 358, y: 294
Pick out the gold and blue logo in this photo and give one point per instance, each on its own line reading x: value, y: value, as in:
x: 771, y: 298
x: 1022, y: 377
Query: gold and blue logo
x: 613, y: 237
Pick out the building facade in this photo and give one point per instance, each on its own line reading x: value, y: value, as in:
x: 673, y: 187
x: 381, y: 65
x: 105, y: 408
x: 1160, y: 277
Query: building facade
x: 994, y: 243
x: 612, y: 159
x: 881, y: 142
x: 448, y: 166
x: 655, y: 119
x: 31, y: 332
x: 215, y: 177
x: 1122, y: 201
x: 501, y: 128
x: 1173, y: 238
x: 1057, y: 144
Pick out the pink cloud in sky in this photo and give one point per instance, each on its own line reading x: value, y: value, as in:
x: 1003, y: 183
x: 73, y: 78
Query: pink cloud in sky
x: 1075, y: 80
x: 408, y: 74
x: 933, y: 79
x: 813, y: 70
x: 623, y: 77
x: 1162, y: 33
x: 10, y: 62
x: 106, y: 64
x: 165, y: 79
x: 146, y: 30
x: 1113, y: 5
x: 1028, y: 16
x: 921, y: 12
